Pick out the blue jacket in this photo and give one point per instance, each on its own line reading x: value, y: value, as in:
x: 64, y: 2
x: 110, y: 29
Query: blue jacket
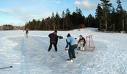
x: 70, y: 41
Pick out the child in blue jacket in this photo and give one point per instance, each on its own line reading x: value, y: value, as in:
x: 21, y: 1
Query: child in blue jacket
x: 71, y: 44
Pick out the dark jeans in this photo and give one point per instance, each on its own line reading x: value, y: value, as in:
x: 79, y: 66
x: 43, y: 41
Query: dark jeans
x: 50, y: 46
x: 71, y: 51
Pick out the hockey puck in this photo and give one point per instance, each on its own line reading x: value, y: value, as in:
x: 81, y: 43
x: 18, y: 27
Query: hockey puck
x: 11, y: 66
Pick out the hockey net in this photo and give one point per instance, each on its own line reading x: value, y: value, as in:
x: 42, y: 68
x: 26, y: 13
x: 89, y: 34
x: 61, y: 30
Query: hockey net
x: 89, y: 46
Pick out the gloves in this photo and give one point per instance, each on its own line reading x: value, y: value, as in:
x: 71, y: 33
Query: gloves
x: 66, y: 49
x: 60, y: 37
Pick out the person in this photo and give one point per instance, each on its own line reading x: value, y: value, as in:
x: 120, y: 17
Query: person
x: 27, y: 31
x: 53, y: 40
x: 71, y: 44
x: 81, y: 43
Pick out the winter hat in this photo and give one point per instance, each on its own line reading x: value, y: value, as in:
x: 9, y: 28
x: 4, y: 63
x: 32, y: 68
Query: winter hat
x: 55, y: 31
x: 68, y: 35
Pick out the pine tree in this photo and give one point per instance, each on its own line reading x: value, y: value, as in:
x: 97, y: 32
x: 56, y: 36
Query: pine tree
x: 125, y: 21
x: 57, y: 21
x: 63, y: 20
x: 113, y: 19
x: 99, y: 16
x: 119, y: 6
x: 80, y: 18
x: 106, y: 8
x: 120, y: 14
x: 68, y: 23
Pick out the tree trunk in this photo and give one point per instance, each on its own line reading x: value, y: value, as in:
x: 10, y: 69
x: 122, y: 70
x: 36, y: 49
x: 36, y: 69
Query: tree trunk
x: 106, y: 26
x: 123, y: 25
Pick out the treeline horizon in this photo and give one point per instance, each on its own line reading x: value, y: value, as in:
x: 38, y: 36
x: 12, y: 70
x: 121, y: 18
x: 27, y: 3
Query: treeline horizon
x: 66, y: 21
x: 107, y: 18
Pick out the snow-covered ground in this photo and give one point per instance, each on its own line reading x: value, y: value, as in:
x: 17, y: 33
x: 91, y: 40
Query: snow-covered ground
x: 30, y: 56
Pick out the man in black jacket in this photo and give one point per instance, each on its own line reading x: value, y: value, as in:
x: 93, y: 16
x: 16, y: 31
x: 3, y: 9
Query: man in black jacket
x: 53, y: 40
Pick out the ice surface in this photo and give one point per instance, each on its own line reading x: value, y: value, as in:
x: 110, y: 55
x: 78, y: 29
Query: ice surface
x: 30, y: 55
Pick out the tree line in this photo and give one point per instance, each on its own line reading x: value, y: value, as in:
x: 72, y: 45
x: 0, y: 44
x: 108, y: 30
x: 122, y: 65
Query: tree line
x: 11, y: 27
x: 110, y: 18
x: 66, y: 21
x: 107, y: 18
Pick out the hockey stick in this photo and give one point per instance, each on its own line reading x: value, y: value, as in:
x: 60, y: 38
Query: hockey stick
x: 6, y: 67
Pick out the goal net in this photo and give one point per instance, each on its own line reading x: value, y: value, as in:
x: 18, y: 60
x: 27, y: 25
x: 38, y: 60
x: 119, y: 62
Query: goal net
x: 89, y: 43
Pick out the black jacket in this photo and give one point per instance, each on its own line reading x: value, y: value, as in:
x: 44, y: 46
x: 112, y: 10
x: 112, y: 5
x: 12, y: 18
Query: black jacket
x: 53, y: 38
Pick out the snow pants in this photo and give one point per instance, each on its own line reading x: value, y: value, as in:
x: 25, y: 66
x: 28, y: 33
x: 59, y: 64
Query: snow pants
x: 50, y: 46
x: 81, y: 46
x: 71, y: 51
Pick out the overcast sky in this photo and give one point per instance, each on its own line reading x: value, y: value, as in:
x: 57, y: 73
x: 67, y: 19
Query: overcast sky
x: 19, y: 12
